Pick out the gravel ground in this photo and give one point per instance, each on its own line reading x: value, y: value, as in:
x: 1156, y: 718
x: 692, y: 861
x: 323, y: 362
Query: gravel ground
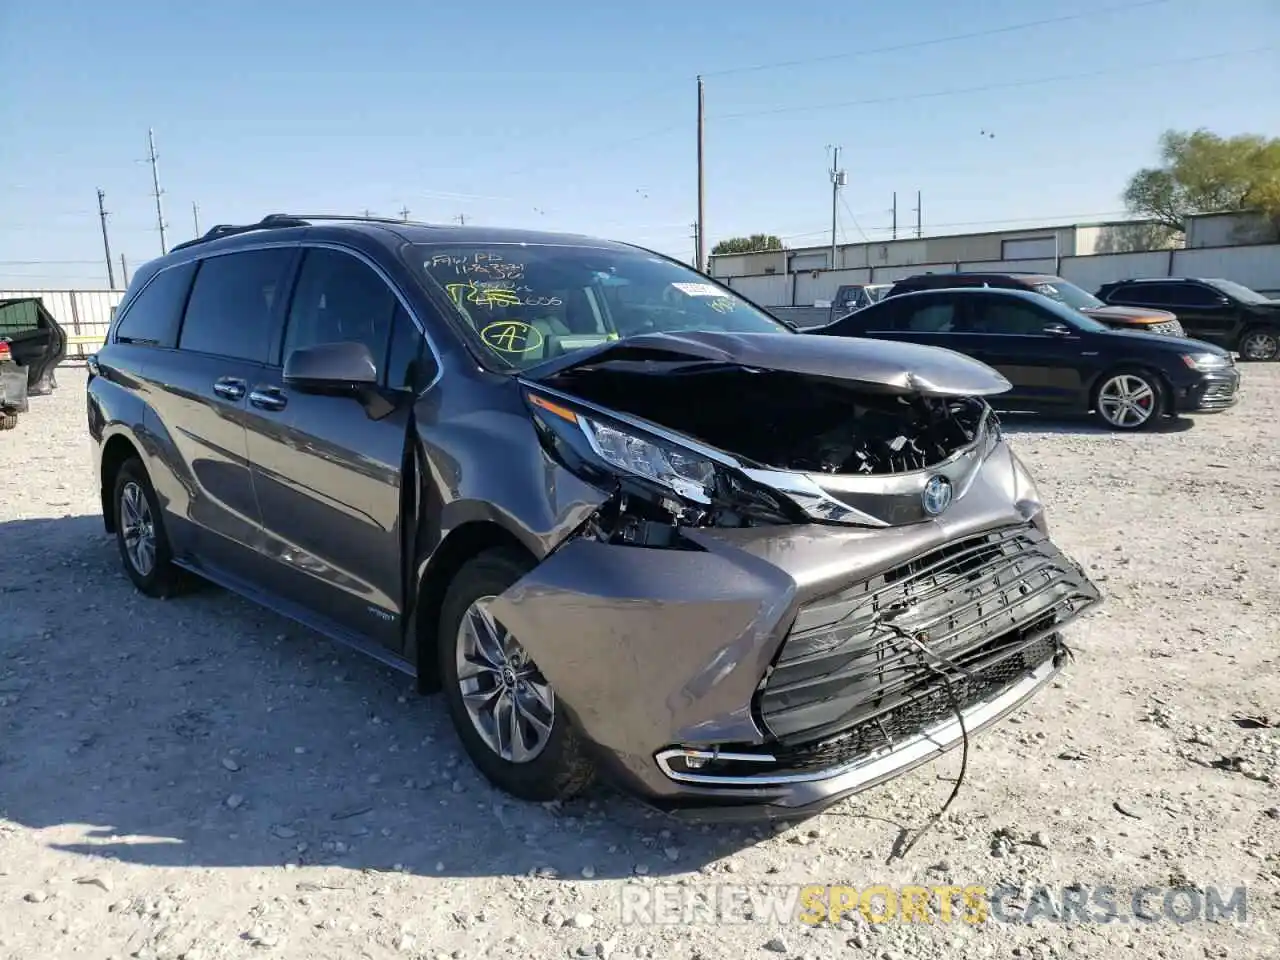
x: 199, y: 778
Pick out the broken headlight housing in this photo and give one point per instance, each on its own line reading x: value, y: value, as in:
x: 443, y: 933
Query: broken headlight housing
x: 655, y: 480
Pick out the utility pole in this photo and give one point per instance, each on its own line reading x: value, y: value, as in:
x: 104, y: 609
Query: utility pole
x: 155, y: 182
x: 404, y: 214
x: 895, y: 214
x: 919, y: 216
x: 106, y: 244
x: 124, y: 270
x: 838, y: 180
x: 366, y: 212
x: 461, y: 219
x: 697, y: 244
x: 195, y: 216
x: 702, y: 177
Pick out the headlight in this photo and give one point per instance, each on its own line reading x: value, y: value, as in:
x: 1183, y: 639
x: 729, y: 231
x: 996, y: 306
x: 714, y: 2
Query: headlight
x: 612, y: 448
x: 1206, y: 361
x: 686, y: 486
x: 684, y: 473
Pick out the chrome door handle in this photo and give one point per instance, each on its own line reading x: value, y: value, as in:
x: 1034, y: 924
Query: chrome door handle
x: 268, y: 398
x: 229, y: 388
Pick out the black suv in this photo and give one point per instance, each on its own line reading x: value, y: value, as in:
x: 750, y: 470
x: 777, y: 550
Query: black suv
x: 1219, y: 311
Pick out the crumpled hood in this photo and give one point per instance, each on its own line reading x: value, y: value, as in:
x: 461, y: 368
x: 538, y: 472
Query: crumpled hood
x: 879, y: 365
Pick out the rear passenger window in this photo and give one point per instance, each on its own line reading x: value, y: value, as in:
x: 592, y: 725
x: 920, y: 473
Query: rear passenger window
x: 152, y: 318
x: 232, y: 306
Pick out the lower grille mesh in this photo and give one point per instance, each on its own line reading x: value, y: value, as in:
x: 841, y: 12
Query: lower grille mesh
x: 989, y: 603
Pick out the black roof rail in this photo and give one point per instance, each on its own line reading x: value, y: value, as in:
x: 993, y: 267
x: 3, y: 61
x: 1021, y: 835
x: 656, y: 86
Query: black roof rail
x: 282, y: 220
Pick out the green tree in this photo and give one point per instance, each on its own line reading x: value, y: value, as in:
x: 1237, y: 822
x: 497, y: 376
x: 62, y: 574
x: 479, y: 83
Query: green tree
x: 752, y: 244
x: 1201, y: 172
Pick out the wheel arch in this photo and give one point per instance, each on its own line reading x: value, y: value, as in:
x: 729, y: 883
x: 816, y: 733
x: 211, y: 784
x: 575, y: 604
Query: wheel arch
x: 115, y: 452
x: 460, y: 545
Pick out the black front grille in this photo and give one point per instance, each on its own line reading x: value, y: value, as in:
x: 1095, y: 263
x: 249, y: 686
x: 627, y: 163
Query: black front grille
x: 978, y: 603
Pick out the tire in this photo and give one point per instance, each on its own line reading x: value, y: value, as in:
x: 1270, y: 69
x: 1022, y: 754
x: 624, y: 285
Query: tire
x: 135, y: 504
x: 1132, y: 383
x: 1260, y: 344
x: 8, y: 421
x: 557, y: 769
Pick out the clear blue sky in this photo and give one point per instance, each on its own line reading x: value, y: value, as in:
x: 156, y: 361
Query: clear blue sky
x: 580, y: 116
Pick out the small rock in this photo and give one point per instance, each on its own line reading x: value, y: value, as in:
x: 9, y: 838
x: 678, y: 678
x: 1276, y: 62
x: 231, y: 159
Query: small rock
x: 1129, y: 809
x: 1038, y: 839
x: 230, y: 764
x: 103, y: 882
x: 405, y: 943
x: 588, y: 871
x: 36, y: 896
x: 776, y: 945
x: 284, y: 833
x: 581, y: 921
x: 235, y: 801
x: 1273, y: 813
x: 641, y: 870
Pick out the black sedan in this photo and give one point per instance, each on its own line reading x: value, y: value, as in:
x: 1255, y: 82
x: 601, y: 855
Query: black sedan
x: 1056, y: 357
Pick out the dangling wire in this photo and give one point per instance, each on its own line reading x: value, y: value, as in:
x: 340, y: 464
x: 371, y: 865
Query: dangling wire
x: 901, y: 848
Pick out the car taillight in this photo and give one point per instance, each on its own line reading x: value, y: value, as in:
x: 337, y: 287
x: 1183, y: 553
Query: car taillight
x: 5, y: 352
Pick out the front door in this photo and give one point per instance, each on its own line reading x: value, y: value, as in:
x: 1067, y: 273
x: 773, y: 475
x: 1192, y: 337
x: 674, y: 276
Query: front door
x: 1011, y: 335
x: 327, y: 469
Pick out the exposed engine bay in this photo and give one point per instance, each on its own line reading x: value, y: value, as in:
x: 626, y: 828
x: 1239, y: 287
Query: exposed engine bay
x: 786, y: 421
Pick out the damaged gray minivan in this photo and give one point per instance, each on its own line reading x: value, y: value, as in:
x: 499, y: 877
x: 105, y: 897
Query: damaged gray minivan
x: 625, y: 521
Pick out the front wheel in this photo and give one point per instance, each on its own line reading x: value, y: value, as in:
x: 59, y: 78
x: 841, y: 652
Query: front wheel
x: 1260, y: 344
x: 502, y: 706
x: 1129, y: 400
x: 8, y: 421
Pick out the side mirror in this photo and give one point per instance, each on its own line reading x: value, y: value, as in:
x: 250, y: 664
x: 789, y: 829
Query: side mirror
x: 1057, y: 330
x: 1222, y: 301
x: 345, y: 367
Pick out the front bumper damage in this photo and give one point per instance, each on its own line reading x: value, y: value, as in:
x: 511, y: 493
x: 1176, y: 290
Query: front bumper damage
x: 773, y: 670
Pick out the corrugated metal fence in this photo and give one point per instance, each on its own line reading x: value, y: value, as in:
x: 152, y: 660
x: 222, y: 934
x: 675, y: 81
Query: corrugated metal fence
x: 83, y: 314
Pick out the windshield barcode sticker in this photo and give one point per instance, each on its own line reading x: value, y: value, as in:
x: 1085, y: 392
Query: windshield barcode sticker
x: 699, y: 289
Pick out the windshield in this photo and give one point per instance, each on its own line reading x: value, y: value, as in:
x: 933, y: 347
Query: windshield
x: 1238, y: 291
x: 527, y: 303
x: 1070, y: 294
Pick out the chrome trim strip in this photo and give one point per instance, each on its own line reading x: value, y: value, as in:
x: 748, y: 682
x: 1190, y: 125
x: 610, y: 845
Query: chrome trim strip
x: 936, y: 739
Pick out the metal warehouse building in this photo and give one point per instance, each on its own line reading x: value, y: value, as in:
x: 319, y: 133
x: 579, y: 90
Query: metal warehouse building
x: 1088, y: 254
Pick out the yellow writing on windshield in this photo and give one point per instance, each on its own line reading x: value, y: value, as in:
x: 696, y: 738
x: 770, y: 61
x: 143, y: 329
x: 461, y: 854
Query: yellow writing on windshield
x: 483, y: 296
x: 511, y: 336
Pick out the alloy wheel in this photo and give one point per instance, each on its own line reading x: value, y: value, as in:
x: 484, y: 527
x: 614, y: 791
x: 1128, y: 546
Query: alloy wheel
x: 1127, y: 401
x: 138, y: 528
x: 1260, y: 345
x: 509, y: 702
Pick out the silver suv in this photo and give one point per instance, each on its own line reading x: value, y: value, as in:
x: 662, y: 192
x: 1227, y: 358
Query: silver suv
x: 625, y: 521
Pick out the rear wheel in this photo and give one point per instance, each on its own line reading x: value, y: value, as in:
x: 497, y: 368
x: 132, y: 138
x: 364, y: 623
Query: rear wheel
x: 8, y: 421
x: 1129, y: 400
x: 1260, y: 343
x: 140, y: 533
x: 502, y: 706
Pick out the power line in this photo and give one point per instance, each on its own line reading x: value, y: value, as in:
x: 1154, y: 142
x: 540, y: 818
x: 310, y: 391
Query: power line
x: 915, y: 44
x: 1003, y: 85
